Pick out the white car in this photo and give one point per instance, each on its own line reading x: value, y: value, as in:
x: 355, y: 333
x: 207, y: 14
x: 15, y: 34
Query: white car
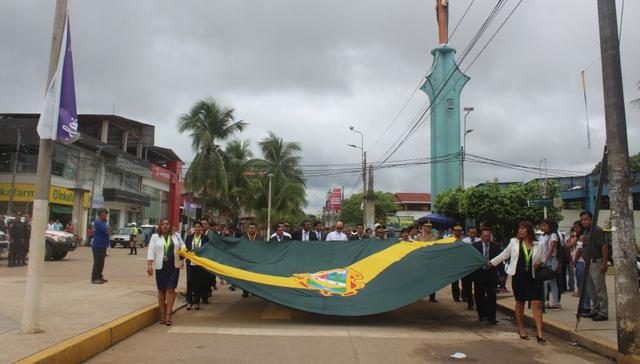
x: 58, y: 244
x: 4, y: 243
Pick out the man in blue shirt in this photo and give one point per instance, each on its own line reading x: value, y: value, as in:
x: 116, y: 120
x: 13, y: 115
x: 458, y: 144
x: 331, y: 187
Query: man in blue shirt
x: 99, y: 246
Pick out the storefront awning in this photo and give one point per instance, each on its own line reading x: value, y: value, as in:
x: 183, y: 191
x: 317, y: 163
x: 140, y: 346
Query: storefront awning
x: 133, y: 198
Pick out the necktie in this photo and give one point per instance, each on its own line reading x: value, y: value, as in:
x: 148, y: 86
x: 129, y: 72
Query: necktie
x: 486, y: 251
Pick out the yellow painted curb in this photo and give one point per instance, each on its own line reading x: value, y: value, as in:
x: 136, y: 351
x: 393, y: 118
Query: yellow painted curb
x: 594, y: 343
x: 92, y: 342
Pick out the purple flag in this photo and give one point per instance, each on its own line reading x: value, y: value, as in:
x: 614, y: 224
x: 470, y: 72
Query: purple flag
x: 68, y: 120
x: 59, y: 119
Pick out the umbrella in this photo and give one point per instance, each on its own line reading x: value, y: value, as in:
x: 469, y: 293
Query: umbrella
x: 438, y: 221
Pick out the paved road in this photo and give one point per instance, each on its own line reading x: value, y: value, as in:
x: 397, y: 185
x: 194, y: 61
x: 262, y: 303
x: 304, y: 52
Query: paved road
x: 252, y: 330
x: 70, y: 303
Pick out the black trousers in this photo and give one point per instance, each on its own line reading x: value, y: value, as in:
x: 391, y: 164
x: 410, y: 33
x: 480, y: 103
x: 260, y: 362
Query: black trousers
x: 485, y: 281
x: 197, y: 284
x: 467, y: 289
x: 98, y: 263
x: 15, y: 249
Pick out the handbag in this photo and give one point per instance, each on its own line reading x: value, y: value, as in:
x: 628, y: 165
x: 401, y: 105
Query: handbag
x: 544, y: 273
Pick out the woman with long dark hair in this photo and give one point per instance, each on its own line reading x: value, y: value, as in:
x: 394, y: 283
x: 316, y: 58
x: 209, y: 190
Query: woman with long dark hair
x: 163, y: 257
x: 197, y: 280
x: 525, y: 256
x: 549, y: 242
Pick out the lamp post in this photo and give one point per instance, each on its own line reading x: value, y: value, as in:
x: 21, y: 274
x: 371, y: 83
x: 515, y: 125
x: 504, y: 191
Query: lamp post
x: 364, y: 171
x: 463, y: 150
x: 269, y: 209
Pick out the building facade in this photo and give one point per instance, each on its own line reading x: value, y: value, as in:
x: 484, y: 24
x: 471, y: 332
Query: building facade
x: 114, y: 164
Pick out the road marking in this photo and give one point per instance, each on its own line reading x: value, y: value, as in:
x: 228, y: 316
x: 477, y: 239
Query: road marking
x: 364, y: 332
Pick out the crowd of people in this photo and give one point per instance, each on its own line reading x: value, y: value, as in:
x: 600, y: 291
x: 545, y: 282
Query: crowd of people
x: 566, y: 256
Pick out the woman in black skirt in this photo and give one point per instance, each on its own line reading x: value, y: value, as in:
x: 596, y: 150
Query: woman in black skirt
x: 525, y: 255
x: 197, y: 278
x: 163, y: 257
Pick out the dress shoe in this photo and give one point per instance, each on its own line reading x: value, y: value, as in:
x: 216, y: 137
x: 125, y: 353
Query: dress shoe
x: 482, y: 319
x: 588, y: 314
x: 99, y: 281
x: 600, y: 318
x: 492, y: 322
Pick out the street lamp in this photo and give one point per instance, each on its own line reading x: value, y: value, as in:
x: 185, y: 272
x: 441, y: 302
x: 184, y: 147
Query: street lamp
x: 364, y: 170
x: 463, y: 150
x: 270, y: 175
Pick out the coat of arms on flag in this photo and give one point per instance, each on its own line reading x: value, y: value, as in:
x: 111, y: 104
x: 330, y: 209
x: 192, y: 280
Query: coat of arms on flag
x: 340, y: 282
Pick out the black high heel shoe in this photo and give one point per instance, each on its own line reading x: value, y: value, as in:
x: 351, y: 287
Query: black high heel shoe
x: 525, y: 337
x: 541, y: 340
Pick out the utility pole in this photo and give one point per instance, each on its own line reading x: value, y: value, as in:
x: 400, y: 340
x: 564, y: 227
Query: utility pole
x: 544, y: 185
x: 622, y: 225
x: 96, y: 175
x: 364, y: 172
x: 35, y: 270
x: 12, y: 190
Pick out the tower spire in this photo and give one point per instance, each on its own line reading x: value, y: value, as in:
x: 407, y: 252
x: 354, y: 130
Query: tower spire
x: 442, y: 15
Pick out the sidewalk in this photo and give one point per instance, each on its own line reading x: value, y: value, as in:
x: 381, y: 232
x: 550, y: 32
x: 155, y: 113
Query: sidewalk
x: 597, y: 336
x: 72, y: 305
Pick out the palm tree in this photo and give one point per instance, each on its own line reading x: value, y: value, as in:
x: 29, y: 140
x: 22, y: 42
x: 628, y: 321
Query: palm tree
x: 239, y: 165
x: 208, y: 123
x: 281, y: 161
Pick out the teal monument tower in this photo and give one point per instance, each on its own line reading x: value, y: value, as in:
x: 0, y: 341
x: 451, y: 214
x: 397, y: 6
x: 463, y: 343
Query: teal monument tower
x: 443, y: 86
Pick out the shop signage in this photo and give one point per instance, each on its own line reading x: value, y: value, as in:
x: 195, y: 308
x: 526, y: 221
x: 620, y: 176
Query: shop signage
x: 27, y: 192
x: 335, y: 199
x: 160, y: 174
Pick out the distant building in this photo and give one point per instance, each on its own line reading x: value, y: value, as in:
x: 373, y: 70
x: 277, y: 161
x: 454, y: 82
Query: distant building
x: 114, y: 160
x: 413, y: 204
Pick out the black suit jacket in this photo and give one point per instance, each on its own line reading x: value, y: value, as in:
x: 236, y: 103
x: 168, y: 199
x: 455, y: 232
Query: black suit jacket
x: 189, y: 241
x: 314, y: 236
x: 275, y: 238
x: 494, y: 251
x: 297, y: 235
x: 353, y: 237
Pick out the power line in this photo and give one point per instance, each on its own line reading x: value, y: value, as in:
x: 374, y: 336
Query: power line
x: 402, y: 139
x: 420, y: 82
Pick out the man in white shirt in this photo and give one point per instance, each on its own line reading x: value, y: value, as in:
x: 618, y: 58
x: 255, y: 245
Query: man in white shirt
x: 472, y: 236
x: 283, y: 232
x: 338, y: 235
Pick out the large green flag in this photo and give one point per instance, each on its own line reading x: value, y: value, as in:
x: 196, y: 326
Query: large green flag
x: 339, y: 278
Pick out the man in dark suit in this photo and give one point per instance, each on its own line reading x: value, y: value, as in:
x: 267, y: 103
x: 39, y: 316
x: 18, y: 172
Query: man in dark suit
x: 318, y: 234
x: 359, y: 235
x: 304, y: 234
x: 279, y: 235
x: 486, y: 279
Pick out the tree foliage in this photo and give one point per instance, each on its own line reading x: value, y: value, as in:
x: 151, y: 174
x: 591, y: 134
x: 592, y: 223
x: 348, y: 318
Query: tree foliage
x: 351, y: 213
x: 634, y: 164
x: 229, y: 179
x: 501, y: 208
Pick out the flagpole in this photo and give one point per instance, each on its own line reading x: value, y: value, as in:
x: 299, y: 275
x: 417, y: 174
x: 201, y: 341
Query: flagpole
x: 35, y: 271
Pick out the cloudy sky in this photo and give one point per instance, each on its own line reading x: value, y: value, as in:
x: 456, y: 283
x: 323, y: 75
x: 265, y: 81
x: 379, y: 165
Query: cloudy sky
x: 306, y: 70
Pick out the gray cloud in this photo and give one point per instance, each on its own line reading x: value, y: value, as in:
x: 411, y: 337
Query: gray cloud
x: 308, y: 70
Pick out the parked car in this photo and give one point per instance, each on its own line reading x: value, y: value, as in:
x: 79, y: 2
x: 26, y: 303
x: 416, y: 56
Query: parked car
x: 147, y: 231
x: 59, y: 244
x: 121, y: 237
x: 4, y: 243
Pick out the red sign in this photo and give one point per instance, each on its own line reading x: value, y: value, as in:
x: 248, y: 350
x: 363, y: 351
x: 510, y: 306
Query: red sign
x: 161, y: 174
x: 335, y: 199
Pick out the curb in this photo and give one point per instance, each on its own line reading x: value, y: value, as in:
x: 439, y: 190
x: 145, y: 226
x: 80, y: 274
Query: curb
x: 596, y: 344
x: 87, y: 344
